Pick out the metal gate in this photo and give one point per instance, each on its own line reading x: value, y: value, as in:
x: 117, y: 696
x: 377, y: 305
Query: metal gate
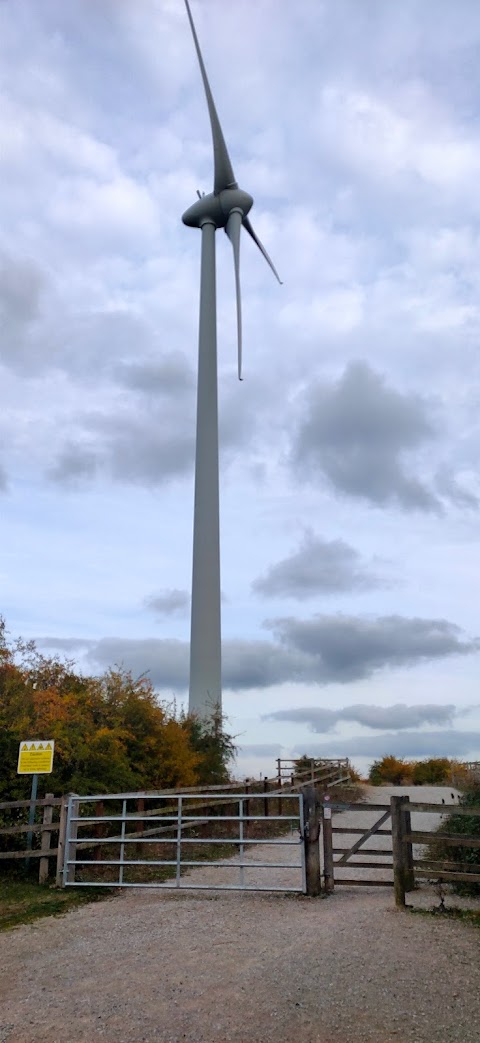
x: 145, y: 840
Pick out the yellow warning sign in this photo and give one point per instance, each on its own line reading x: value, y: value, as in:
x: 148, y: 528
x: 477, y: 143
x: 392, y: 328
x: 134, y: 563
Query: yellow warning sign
x: 35, y: 757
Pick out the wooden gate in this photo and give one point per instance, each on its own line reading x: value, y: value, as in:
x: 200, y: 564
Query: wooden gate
x: 365, y: 862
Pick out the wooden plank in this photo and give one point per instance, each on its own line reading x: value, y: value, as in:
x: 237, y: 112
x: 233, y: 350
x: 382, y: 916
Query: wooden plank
x: 442, y: 809
x: 408, y: 848
x: 363, y: 865
x: 61, y: 842
x: 4, y: 855
x: 337, y: 805
x: 35, y: 828
x: 46, y: 837
x: 439, y: 809
x: 457, y: 841
x: 366, y: 836
x: 311, y: 818
x: 445, y: 863
x: 360, y: 829
x: 472, y: 878
x: 5, y: 805
x: 328, y: 871
x: 397, y: 805
x: 365, y: 851
x: 71, y: 843
x: 364, y: 883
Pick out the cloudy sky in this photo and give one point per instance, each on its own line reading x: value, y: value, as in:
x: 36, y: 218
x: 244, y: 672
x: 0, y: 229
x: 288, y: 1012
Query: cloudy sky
x: 350, y: 489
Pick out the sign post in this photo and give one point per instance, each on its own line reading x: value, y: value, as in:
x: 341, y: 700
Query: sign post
x: 35, y: 758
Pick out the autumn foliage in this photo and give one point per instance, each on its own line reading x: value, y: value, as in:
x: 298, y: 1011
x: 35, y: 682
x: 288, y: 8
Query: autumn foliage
x: 437, y: 771
x: 111, y: 733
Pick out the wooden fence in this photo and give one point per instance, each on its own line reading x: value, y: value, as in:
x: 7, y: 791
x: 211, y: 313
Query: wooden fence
x: 406, y: 867
x: 405, y: 864
x: 330, y: 771
x: 51, y: 812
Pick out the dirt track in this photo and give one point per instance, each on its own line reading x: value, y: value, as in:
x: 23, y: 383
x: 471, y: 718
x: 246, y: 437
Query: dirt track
x: 198, y: 967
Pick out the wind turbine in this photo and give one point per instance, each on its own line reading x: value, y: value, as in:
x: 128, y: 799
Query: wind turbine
x: 226, y: 207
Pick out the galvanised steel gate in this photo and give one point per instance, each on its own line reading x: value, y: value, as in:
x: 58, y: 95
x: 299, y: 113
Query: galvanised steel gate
x: 145, y: 840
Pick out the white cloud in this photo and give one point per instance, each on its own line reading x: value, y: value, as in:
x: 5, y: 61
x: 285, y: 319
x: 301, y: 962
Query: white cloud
x: 354, y: 127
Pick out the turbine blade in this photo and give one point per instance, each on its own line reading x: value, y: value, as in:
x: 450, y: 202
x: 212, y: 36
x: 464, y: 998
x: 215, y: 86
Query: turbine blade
x: 223, y: 170
x: 232, y: 229
x: 248, y: 227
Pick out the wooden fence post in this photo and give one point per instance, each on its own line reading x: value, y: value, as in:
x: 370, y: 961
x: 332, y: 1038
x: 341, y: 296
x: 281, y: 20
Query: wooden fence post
x: 266, y: 808
x: 311, y: 820
x: 400, y: 867
x: 328, y: 873
x: 408, y: 846
x: 62, y: 825
x: 71, y: 841
x: 46, y: 837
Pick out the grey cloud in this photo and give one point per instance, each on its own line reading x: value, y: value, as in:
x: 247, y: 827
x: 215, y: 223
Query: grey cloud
x: 74, y: 464
x: 348, y: 648
x: 64, y: 644
x: 21, y: 284
x: 324, y: 650
x: 261, y: 749
x: 245, y: 664
x: 356, y: 432
x: 448, y: 486
x: 146, y: 448
x: 3, y: 479
x: 171, y: 374
x: 399, y: 716
x: 261, y: 664
x: 169, y: 602
x: 466, y: 710
x: 165, y: 661
x: 448, y: 743
x: 149, y: 440
x: 318, y: 567
x: 94, y: 341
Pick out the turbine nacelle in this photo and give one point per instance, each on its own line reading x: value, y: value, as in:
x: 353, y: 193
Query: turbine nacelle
x: 217, y: 207
x: 227, y: 206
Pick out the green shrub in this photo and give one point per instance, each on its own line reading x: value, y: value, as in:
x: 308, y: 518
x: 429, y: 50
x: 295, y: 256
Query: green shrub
x: 463, y: 857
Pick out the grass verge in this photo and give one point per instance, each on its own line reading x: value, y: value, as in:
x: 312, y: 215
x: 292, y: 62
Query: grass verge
x: 469, y: 916
x: 23, y: 901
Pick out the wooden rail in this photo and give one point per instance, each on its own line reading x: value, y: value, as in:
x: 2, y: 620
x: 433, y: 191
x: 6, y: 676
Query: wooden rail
x: 406, y: 868
x: 43, y: 830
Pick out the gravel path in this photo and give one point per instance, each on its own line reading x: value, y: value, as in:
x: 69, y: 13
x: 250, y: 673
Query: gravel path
x: 206, y: 967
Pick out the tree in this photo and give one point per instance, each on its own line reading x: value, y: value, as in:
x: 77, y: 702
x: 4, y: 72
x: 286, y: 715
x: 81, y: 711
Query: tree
x: 433, y: 772
x: 303, y: 766
x: 111, y: 732
x: 390, y: 771
x: 215, y: 747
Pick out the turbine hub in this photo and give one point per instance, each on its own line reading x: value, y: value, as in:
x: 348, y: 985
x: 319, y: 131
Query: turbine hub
x: 216, y: 208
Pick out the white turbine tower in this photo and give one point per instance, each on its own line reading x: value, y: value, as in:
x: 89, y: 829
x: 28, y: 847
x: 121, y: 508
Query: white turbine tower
x: 226, y: 207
